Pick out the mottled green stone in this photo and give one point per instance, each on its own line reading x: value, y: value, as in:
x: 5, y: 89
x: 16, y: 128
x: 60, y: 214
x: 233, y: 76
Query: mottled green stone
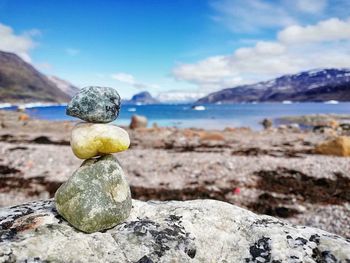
x: 96, y: 197
x: 95, y: 104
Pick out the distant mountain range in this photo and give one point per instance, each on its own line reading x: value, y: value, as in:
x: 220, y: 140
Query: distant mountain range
x: 314, y: 85
x: 21, y: 82
x: 143, y: 97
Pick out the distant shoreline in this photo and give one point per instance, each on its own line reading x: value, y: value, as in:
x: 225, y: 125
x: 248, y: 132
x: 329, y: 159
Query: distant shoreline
x: 36, y: 104
x: 206, y: 116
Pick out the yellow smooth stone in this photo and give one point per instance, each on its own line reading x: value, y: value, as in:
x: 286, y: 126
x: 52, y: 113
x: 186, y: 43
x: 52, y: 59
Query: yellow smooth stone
x: 94, y: 139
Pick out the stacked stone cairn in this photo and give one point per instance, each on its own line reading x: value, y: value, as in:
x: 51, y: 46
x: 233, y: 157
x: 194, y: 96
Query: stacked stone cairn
x: 97, y: 196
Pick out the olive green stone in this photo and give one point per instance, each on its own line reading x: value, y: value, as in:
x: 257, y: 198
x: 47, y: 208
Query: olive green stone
x: 96, y: 197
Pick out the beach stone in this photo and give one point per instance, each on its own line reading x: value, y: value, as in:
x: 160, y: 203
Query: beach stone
x: 339, y: 146
x: 174, y: 231
x: 95, y: 104
x: 91, y: 139
x: 23, y: 117
x: 345, y: 126
x: 294, y: 126
x: 334, y: 124
x: 211, y: 136
x: 267, y: 124
x: 96, y: 197
x: 138, y: 121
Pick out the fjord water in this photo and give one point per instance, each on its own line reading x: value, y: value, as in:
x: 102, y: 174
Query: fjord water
x: 213, y: 117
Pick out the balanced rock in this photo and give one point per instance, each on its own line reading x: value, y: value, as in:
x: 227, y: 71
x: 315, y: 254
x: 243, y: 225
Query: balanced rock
x: 138, y: 121
x: 339, y: 146
x: 96, y: 197
x: 191, y: 231
x: 95, y: 104
x: 92, y: 139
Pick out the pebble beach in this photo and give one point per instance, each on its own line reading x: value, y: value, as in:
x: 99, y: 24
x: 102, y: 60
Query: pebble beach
x: 274, y: 172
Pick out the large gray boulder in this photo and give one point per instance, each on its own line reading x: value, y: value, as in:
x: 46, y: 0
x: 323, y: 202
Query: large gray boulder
x: 191, y: 231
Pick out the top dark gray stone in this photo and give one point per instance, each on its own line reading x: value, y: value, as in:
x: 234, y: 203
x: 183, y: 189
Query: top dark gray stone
x: 95, y: 104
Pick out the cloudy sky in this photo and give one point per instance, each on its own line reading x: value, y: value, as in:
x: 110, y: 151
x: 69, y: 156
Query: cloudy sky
x: 192, y: 46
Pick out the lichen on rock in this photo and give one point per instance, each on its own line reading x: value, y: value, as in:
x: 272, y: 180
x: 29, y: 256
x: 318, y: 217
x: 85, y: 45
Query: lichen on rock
x: 95, y: 104
x: 191, y: 231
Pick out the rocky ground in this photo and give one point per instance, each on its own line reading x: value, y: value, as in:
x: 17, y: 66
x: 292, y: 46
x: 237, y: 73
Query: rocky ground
x: 175, y: 231
x: 272, y: 172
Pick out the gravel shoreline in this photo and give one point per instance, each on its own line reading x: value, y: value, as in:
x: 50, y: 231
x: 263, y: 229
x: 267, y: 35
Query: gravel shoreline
x: 272, y: 172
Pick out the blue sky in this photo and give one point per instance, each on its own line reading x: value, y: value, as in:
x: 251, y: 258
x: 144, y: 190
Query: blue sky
x: 192, y: 46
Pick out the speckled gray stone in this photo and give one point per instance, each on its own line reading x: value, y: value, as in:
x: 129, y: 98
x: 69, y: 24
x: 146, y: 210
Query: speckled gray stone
x: 95, y: 104
x: 196, y: 231
x: 96, y: 197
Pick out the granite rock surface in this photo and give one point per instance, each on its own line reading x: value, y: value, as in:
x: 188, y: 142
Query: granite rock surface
x: 190, y: 231
x: 95, y: 104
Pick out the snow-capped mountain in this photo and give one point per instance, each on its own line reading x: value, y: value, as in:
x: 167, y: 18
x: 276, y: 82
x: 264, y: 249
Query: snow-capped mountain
x: 313, y: 85
x: 179, y: 97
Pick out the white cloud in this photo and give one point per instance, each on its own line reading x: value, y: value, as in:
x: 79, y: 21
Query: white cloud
x: 179, y: 96
x: 18, y: 44
x: 209, y: 73
x: 72, y: 51
x: 44, y: 66
x: 329, y: 30
x: 311, y: 6
x: 131, y: 81
x: 251, y: 15
x: 262, y: 48
x: 308, y: 47
x: 257, y: 16
x: 125, y: 78
x: 32, y: 33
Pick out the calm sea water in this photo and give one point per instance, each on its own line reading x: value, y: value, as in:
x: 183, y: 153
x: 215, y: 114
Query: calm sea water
x: 213, y: 117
